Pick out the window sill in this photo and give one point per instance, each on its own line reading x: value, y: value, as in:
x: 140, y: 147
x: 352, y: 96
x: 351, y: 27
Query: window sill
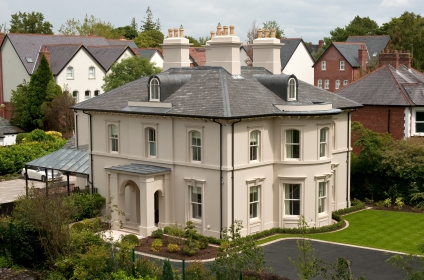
x: 254, y: 221
x: 196, y: 221
x: 323, y: 215
x: 91, y: 78
x: 291, y: 217
x: 196, y: 162
x: 70, y: 78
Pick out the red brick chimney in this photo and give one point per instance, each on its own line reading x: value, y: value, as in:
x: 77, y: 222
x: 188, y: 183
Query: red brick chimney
x: 362, y: 56
x: 388, y: 58
x: 405, y: 59
x: 121, y: 37
x: 46, y: 53
x: 320, y: 44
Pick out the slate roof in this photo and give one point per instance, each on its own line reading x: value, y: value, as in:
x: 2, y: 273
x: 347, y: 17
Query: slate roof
x: 107, y: 55
x: 350, y: 52
x: 147, y: 52
x: 198, y: 55
x: 144, y: 169
x: 59, y: 56
x: 387, y: 86
x: 211, y: 92
x: 7, y: 128
x: 375, y: 44
x: 129, y: 43
x: 288, y: 49
x: 29, y: 45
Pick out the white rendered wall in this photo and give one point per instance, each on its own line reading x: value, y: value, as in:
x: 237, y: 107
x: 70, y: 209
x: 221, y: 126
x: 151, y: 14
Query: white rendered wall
x: 300, y: 64
x: 14, y: 71
x: 158, y: 60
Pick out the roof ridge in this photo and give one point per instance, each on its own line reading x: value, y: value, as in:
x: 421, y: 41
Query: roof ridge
x: 55, y: 35
x: 107, y: 46
x: 350, y: 43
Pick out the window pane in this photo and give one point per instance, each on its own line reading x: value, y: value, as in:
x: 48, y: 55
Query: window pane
x: 419, y: 116
x: 114, y: 145
x: 253, y: 210
x: 322, y: 149
x: 419, y: 127
x: 254, y: 153
x: 197, y: 211
x: 152, y: 148
x: 254, y: 137
x: 113, y: 131
x: 323, y: 134
x: 152, y: 134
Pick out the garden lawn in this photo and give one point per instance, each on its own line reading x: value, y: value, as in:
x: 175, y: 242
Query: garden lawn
x: 389, y: 230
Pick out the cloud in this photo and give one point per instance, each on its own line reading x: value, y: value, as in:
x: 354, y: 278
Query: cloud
x: 397, y: 3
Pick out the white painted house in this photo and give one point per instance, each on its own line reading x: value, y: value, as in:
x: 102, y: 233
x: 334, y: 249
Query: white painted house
x: 296, y: 59
x: 219, y: 143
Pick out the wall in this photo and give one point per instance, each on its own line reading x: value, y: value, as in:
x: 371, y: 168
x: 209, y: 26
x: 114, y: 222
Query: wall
x: 333, y: 72
x: 157, y: 59
x: 300, y: 64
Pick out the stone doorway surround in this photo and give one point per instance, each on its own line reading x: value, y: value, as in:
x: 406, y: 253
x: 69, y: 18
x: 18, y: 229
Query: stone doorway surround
x: 147, y: 179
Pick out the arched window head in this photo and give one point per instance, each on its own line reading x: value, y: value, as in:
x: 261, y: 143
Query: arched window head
x: 291, y: 90
x: 154, y: 90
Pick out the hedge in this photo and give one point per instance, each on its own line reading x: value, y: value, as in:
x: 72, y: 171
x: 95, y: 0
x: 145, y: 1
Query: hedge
x: 337, y: 214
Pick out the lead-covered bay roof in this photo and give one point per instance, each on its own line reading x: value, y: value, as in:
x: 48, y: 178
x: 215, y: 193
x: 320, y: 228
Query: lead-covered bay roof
x: 212, y: 92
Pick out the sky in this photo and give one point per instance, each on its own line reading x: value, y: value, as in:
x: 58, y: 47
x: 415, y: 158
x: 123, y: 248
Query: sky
x: 310, y: 20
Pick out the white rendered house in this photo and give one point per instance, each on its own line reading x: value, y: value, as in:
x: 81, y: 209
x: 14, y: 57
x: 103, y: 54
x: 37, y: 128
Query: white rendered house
x: 219, y: 143
x: 296, y: 59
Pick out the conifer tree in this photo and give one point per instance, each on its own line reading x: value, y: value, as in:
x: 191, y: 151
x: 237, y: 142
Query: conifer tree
x: 167, y: 273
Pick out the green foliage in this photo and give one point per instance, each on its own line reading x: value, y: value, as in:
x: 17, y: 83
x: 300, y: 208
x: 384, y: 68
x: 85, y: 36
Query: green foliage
x: 191, y: 244
x: 173, y: 247
x: 149, y: 39
x: 88, y: 205
x: 203, y: 242
x: 78, y: 227
x: 156, y: 245
x: 336, y: 215
x: 237, y: 254
x: 387, y: 202
x: 253, y: 275
x: 128, y: 70
x: 197, y: 271
x: 149, y: 23
x: 130, y: 239
x: 176, y: 233
x: 121, y: 275
x: 127, y: 31
x: 357, y: 27
x: 399, y: 203
x: 157, y: 233
x: 167, y: 272
x: 144, y: 267
x: 90, y: 26
x: 279, y: 33
x: 406, y: 264
x: 93, y: 264
x: 58, y: 116
x: 30, y: 23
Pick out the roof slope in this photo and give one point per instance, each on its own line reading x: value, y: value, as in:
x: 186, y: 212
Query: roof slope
x: 29, y: 45
x: 198, y: 54
x: 387, y: 86
x: 7, y: 128
x: 147, y: 53
x: 212, y: 92
x: 60, y: 55
x: 349, y: 52
x: 129, y: 43
x: 107, y: 55
x: 375, y: 44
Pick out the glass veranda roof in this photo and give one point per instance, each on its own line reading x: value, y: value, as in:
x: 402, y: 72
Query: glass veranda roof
x: 65, y: 160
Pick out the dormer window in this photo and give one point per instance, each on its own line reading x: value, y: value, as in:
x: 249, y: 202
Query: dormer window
x: 154, y: 90
x: 291, y: 90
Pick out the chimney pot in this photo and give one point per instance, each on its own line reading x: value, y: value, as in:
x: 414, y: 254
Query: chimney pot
x: 273, y: 33
x: 176, y: 32
x: 170, y: 32
x: 232, y: 30
x: 181, y: 32
x: 212, y: 34
x: 219, y: 30
x: 259, y: 33
x: 266, y: 32
x: 225, y: 30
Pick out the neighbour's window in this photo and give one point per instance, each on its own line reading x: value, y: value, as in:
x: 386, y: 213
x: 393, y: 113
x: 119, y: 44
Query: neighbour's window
x: 154, y: 90
x: 91, y: 73
x: 70, y: 72
x: 75, y: 95
x: 292, y: 89
x: 419, y: 122
x: 327, y: 84
x: 342, y: 65
x: 323, y: 65
x: 319, y: 83
x: 87, y: 94
x: 337, y: 84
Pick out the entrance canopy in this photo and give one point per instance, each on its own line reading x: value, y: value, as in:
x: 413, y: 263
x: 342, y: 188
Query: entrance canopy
x: 144, y: 169
x: 65, y: 160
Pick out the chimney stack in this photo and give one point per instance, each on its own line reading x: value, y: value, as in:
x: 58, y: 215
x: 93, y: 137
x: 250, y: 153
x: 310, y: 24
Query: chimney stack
x: 405, y: 59
x: 320, y: 44
x: 224, y: 50
x: 46, y: 54
x: 362, y: 56
x: 176, y: 49
x: 389, y: 58
x: 266, y: 52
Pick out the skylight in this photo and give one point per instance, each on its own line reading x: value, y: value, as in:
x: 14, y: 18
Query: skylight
x: 29, y: 59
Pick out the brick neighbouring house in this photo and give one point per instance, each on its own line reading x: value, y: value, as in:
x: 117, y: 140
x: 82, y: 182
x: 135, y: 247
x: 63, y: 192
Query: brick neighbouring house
x: 393, y: 97
x: 341, y: 63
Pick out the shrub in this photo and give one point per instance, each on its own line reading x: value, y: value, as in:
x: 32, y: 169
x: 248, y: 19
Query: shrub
x: 167, y: 272
x: 88, y: 205
x: 157, y: 233
x: 379, y: 204
x: 203, y: 242
x: 191, y: 247
x: 131, y: 239
x: 143, y: 267
x: 399, y: 203
x: 336, y: 215
x: 177, y: 233
x: 166, y: 229
x: 173, y: 247
x: 387, y: 202
x: 197, y: 271
x: 253, y: 275
x: 156, y: 245
x: 78, y: 227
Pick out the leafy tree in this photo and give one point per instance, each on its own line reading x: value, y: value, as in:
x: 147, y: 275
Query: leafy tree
x: 167, y: 273
x: 134, y: 24
x: 149, y: 23
x: 279, y: 33
x: 252, y: 32
x: 58, y: 116
x: 18, y: 101
x: 90, y: 26
x: 357, y: 27
x: 30, y: 23
x: 237, y: 254
x: 201, y: 41
x: 127, y: 31
x: 149, y: 39
x: 128, y: 70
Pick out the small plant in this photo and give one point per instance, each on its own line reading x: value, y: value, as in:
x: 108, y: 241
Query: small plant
x: 166, y: 230
x: 177, y: 234
x: 156, y: 245
x: 191, y: 247
x: 197, y: 270
x: 379, y: 204
x: 146, y: 268
x: 399, y: 203
x: 387, y: 202
x: 203, y: 242
x: 7, y: 177
x: 355, y: 202
x: 173, y: 247
x: 78, y: 227
x: 131, y: 239
x: 157, y: 233
x: 167, y: 272
x: 369, y: 200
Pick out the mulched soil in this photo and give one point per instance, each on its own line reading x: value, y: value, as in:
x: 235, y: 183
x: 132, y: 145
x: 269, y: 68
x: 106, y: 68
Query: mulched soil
x: 405, y: 208
x: 7, y: 273
x: 145, y: 247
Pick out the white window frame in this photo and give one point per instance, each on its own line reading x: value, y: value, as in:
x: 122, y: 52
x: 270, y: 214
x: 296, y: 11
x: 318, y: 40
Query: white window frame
x: 292, y: 144
x: 323, y: 65
x: 91, y: 72
x: 189, y: 129
x: 255, y: 202
x: 145, y: 137
x: 319, y: 83
x: 285, y: 183
x: 76, y: 97
x: 189, y: 183
x: 70, y: 73
x: 345, y: 82
x: 337, y: 84
x: 85, y: 95
x: 326, y: 84
x: 154, y: 95
x: 322, y: 198
x: 414, y: 121
x: 291, y: 90
x: 96, y: 93
x: 111, y: 138
x: 323, y: 143
x: 342, y: 65
x: 150, y: 141
x: 195, y: 146
x: 257, y: 146
x: 199, y: 205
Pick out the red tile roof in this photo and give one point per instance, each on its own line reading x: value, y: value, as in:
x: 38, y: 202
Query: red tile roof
x: 198, y: 55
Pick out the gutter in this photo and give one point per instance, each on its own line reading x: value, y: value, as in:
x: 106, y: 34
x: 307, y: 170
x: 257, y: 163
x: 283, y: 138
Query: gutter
x: 232, y: 170
x: 348, y: 160
x: 76, y: 129
x: 91, y: 153
x: 221, y: 181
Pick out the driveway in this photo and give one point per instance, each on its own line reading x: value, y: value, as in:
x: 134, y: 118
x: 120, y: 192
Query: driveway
x: 365, y: 262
